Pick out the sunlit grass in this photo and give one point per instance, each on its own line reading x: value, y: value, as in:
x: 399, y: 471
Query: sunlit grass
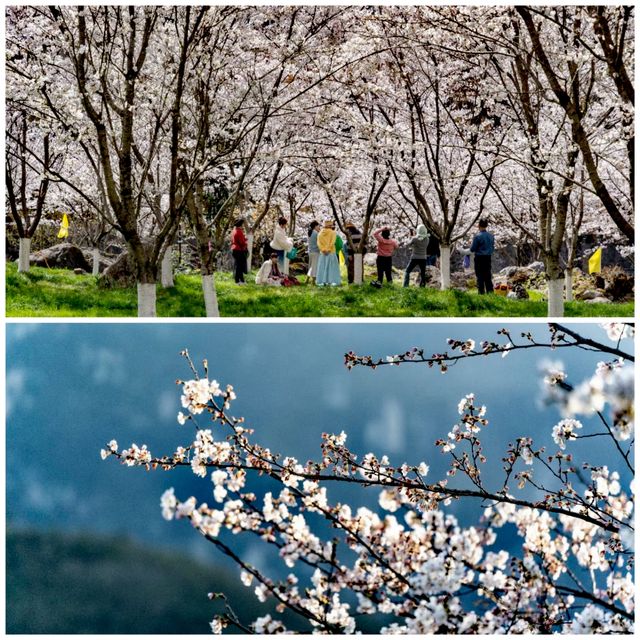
x: 60, y: 293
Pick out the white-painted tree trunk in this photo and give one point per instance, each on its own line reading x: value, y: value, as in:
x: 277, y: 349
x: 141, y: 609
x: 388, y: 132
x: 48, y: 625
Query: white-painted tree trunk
x: 568, y: 285
x: 210, y: 297
x: 445, y: 267
x: 146, y: 300
x: 95, y: 261
x: 358, y: 268
x: 166, y: 269
x: 23, y: 256
x: 286, y: 265
x: 250, y: 250
x: 555, y: 307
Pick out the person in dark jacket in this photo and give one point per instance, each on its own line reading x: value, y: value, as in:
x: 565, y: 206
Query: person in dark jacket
x: 482, y: 248
x: 433, y: 250
x: 239, y: 249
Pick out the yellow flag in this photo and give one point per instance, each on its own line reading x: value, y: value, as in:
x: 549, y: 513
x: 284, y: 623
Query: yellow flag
x: 64, y: 227
x: 595, y: 261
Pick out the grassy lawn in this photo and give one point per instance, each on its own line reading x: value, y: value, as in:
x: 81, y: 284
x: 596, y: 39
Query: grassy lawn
x: 60, y: 293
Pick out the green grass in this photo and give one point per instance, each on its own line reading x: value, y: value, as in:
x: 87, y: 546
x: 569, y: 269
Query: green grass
x: 60, y: 293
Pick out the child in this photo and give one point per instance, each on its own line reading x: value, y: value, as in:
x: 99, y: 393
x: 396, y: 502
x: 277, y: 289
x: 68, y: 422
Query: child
x: 386, y: 248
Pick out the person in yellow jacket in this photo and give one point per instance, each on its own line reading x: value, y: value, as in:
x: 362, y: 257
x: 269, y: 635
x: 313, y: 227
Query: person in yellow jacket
x: 328, y: 265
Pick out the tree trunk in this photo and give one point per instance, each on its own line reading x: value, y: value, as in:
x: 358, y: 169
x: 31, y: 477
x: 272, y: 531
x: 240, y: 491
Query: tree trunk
x: 250, y: 250
x: 23, y: 256
x: 166, y: 269
x: 358, y: 268
x: 568, y: 285
x: 146, y: 300
x: 555, y: 306
x: 210, y: 296
x: 95, y: 261
x: 445, y: 267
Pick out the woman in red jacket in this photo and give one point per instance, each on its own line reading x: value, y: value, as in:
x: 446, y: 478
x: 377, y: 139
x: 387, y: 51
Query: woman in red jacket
x: 239, y: 250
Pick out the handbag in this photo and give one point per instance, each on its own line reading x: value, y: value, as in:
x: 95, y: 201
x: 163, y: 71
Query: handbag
x: 292, y: 253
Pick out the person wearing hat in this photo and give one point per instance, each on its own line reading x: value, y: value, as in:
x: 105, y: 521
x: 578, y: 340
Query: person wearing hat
x: 328, y: 265
x: 418, y: 245
x: 386, y: 249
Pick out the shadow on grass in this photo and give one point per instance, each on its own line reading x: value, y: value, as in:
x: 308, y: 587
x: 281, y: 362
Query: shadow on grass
x: 59, y: 293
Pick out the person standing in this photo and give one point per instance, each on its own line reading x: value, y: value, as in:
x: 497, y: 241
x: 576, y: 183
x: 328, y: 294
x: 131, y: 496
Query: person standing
x: 314, y: 252
x: 482, y: 249
x: 281, y: 243
x: 328, y: 265
x: 433, y: 250
x: 239, y: 250
x: 386, y: 248
x: 354, y: 236
x: 418, y: 244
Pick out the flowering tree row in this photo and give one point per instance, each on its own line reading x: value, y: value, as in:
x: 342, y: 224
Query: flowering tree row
x: 156, y: 116
x: 409, y: 560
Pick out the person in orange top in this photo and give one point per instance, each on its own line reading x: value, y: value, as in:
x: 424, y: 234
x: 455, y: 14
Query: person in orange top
x: 239, y: 250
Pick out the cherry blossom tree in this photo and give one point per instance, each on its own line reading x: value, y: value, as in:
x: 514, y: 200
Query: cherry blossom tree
x: 381, y: 115
x: 27, y: 183
x: 612, y: 29
x: 410, y: 560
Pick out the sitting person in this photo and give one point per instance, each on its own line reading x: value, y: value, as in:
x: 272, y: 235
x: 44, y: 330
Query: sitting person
x: 270, y: 274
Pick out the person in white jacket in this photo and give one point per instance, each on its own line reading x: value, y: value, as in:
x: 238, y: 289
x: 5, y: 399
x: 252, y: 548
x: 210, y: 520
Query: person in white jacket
x: 270, y: 273
x: 281, y: 243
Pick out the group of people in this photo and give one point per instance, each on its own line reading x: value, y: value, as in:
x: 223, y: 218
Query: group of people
x: 325, y: 246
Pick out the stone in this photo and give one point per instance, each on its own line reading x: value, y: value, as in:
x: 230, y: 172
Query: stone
x: 80, y: 272
x: 588, y: 294
x: 103, y: 261
x: 369, y: 259
x: 536, y: 267
x: 60, y: 256
x: 120, y: 274
x: 598, y: 300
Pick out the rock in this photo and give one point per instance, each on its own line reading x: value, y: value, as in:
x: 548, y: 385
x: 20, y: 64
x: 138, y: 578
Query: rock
x: 598, y: 300
x: 115, y: 249
x: 103, y: 261
x: 121, y: 273
x: 61, y: 256
x: 618, y: 285
x: 80, y: 272
x: 460, y: 280
x: 536, y: 267
x: 432, y: 274
x: 588, y: 294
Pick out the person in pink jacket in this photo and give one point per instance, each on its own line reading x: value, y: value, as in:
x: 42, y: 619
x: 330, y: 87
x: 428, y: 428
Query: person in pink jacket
x: 386, y: 248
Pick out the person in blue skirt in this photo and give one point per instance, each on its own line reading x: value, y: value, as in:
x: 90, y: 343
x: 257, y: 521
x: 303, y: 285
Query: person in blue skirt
x: 328, y: 264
